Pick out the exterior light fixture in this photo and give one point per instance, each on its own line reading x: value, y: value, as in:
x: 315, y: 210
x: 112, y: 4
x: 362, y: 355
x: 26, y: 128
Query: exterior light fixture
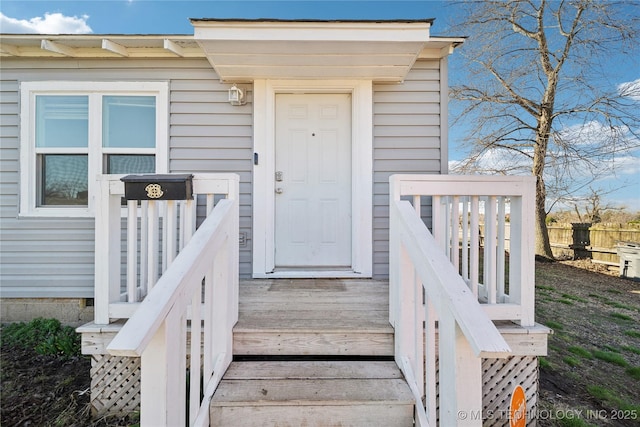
x: 236, y: 96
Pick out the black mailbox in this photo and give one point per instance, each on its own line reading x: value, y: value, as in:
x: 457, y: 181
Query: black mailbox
x: 158, y: 187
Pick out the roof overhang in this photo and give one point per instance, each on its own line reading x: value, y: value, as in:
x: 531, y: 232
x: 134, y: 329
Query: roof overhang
x: 99, y: 46
x: 245, y: 50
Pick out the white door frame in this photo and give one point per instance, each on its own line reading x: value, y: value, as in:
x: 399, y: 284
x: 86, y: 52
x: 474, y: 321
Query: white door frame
x: 264, y: 97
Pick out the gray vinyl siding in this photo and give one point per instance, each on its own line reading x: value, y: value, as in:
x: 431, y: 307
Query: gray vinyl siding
x: 38, y: 258
x: 209, y: 135
x: 406, y: 139
x: 47, y: 257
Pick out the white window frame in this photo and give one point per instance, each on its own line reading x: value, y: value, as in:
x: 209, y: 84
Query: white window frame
x: 95, y: 91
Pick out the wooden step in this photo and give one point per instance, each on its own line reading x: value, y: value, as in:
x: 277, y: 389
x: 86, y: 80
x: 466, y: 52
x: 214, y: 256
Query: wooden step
x: 313, y: 317
x: 318, y: 393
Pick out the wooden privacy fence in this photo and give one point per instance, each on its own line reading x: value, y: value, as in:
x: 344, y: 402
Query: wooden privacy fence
x: 193, y: 304
x: 595, y: 241
x: 426, y: 287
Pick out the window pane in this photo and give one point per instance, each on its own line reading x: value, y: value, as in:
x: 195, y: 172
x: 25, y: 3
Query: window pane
x: 63, y: 179
x: 129, y: 121
x: 62, y: 121
x: 121, y: 163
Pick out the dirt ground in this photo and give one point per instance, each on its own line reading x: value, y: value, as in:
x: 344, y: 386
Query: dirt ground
x: 595, y: 315
x: 590, y: 376
x: 39, y: 390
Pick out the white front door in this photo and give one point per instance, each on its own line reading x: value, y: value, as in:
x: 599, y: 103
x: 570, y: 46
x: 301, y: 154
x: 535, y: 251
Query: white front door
x: 313, y: 181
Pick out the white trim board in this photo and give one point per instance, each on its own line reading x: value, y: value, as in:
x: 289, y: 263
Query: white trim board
x: 264, y: 94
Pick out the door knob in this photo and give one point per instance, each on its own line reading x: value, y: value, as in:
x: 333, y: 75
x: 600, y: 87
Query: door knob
x: 279, y: 190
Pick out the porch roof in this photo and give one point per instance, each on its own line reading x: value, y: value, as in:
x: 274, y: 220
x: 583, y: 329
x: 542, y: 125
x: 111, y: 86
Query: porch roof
x: 244, y: 50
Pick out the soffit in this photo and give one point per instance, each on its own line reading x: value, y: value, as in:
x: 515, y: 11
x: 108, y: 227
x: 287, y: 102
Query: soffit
x: 377, y: 50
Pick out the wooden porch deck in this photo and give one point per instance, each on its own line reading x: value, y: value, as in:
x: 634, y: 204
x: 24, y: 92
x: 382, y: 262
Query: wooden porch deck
x: 335, y: 317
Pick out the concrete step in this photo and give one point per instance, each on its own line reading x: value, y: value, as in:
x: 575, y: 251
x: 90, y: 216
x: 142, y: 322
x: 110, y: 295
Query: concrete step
x: 317, y: 393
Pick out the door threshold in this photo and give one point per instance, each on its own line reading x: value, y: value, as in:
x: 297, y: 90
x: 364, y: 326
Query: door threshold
x: 311, y: 274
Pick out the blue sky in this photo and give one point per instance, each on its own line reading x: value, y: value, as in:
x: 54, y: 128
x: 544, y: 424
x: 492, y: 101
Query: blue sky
x: 172, y: 17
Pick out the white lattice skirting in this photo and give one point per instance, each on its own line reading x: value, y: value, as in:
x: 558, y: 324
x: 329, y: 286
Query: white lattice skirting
x: 115, y: 386
x: 499, y: 378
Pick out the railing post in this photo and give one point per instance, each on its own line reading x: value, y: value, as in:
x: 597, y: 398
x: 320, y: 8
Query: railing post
x: 209, y: 355
x: 107, y: 250
x: 154, y: 378
x: 163, y: 375
x: 521, y: 260
x: 234, y: 247
x: 222, y: 337
x: 195, y: 361
x: 406, y: 329
x: 430, y: 361
x: 394, y: 251
x: 460, y: 377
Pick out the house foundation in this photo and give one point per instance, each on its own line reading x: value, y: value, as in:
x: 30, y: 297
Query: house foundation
x: 69, y: 311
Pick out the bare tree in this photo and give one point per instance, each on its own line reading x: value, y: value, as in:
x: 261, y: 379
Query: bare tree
x: 594, y: 207
x: 538, y: 94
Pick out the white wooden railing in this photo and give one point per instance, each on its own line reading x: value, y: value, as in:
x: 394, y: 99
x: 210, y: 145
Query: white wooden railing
x: 193, y: 305
x: 503, y: 281
x: 426, y: 287
x: 137, y: 243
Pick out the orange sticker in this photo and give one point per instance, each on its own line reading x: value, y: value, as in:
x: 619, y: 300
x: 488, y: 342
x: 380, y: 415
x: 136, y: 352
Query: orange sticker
x: 518, y: 408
